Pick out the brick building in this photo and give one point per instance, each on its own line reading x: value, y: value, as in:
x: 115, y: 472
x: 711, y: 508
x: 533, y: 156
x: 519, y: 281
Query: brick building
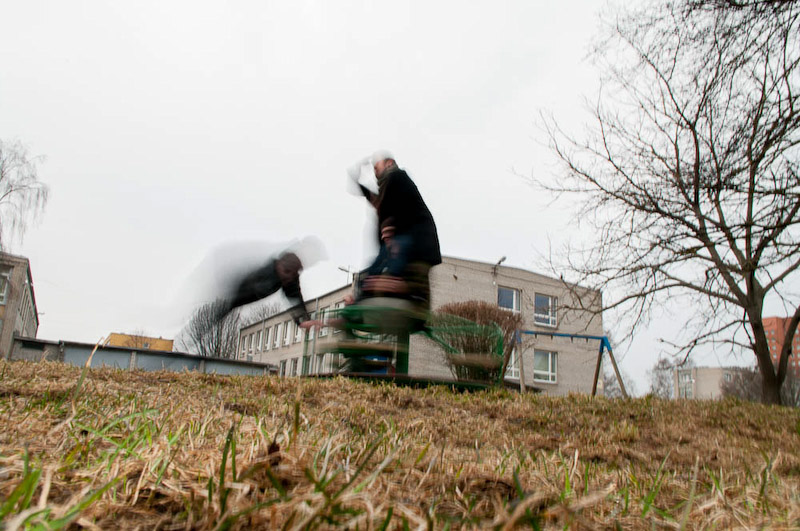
x: 553, y: 365
x: 18, y: 315
x: 776, y: 328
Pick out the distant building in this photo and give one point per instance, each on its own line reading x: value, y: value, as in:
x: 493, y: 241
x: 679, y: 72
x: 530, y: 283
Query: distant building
x: 139, y: 342
x: 553, y: 365
x: 776, y: 328
x: 18, y: 315
x: 703, y: 383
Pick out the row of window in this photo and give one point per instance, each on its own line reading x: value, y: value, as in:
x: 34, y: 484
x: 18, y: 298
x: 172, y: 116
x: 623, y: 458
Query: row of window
x: 320, y: 364
x: 284, y: 334
x: 544, y: 306
x: 545, y: 365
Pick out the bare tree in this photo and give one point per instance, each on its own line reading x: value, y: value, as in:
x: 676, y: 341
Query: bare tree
x: 661, y: 382
x: 137, y: 339
x: 258, y: 313
x: 690, y: 174
x: 22, y: 195
x: 745, y: 384
x: 212, y: 331
x: 611, y: 388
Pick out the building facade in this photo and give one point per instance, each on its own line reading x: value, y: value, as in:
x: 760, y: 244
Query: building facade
x: 18, y: 315
x: 139, y: 342
x: 702, y: 383
x: 551, y: 364
x: 776, y: 328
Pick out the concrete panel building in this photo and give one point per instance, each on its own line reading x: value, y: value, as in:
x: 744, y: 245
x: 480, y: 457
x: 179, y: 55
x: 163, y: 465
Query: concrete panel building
x: 553, y: 365
x: 702, y: 383
x: 18, y: 315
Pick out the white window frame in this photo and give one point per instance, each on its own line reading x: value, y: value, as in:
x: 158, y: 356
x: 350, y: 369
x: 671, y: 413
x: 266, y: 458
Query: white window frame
x: 267, y: 338
x: 282, y: 370
x: 5, y: 282
x: 287, y: 333
x: 551, y: 375
x: 323, y: 316
x: 338, y: 306
x: 549, y: 319
x: 298, y: 333
x: 293, y: 367
x: 258, y: 341
x: 277, y: 336
x: 512, y: 371
x: 516, y: 298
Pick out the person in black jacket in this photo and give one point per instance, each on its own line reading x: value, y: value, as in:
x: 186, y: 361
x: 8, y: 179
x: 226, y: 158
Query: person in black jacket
x: 409, y: 242
x: 282, y: 273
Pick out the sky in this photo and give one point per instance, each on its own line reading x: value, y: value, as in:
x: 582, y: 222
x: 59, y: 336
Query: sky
x: 168, y: 128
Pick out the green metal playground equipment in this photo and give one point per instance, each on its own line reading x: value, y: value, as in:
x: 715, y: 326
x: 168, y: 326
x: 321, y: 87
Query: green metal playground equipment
x: 376, y: 337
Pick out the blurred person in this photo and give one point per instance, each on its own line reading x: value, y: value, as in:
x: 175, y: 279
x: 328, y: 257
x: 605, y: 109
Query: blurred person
x: 407, y: 235
x: 240, y: 273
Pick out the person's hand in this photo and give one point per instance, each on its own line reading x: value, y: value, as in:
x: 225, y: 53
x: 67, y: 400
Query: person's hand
x: 387, y: 232
x: 385, y: 283
x: 349, y: 299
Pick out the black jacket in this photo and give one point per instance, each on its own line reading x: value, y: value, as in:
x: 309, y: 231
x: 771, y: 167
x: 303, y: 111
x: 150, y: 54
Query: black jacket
x: 400, y: 205
x: 265, y: 281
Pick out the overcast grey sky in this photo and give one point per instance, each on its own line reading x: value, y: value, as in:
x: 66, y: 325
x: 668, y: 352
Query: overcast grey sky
x: 169, y: 127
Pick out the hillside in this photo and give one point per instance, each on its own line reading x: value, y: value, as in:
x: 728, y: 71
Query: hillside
x: 192, y: 451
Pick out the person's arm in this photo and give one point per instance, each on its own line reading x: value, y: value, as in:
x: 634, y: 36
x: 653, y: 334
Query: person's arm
x: 295, y: 296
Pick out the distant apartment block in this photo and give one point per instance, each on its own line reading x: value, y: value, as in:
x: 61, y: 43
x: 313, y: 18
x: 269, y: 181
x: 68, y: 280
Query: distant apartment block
x: 551, y: 364
x: 139, y: 342
x: 702, y: 383
x: 776, y: 328
x: 18, y: 315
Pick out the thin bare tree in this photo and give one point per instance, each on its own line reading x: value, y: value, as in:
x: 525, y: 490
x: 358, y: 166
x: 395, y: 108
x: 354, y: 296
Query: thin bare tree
x: 22, y: 195
x: 745, y: 384
x: 258, y: 313
x: 212, y: 331
x: 661, y: 379
x: 690, y: 172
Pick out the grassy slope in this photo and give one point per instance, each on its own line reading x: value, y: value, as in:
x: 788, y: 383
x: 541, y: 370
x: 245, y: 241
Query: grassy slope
x: 200, y: 451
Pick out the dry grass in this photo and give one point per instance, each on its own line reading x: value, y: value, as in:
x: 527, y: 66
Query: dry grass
x: 192, y: 451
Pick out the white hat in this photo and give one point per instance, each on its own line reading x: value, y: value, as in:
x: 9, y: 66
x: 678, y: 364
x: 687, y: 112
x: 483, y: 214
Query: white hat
x: 380, y: 155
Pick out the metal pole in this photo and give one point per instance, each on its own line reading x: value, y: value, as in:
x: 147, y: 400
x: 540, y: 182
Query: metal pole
x: 597, y: 368
x: 616, y: 371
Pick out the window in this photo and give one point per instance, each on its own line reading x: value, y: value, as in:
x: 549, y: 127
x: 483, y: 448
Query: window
x: 258, y: 347
x: 545, y: 366
x: 726, y: 376
x: 287, y: 332
x: 282, y: 371
x: 267, y: 338
x: 252, y: 341
x: 323, y: 316
x: 293, y: 370
x: 306, y: 365
x: 5, y: 279
x: 512, y: 371
x: 277, y: 335
x: 298, y: 334
x: 338, y: 306
x: 508, y: 298
x: 544, y: 310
